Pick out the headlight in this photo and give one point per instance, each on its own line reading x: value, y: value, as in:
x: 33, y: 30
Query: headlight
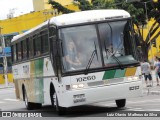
x: 135, y: 78
x: 77, y: 86
x: 81, y: 85
x: 74, y: 86
x: 129, y: 78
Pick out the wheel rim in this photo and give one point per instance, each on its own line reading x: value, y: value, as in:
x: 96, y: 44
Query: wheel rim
x: 26, y: 99
x: 54, y: 100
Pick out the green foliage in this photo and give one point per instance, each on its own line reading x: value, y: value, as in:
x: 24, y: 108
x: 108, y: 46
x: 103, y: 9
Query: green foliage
x: 155, y: 12
x: 139, y: 11
x: 103, y: 4
x: 84, y: 5
x: 59, y: 7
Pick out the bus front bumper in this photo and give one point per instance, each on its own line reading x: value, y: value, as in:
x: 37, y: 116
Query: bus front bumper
x: 100, y: 93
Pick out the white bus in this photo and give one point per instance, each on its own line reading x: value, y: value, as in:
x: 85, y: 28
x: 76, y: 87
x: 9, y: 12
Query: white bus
x: 76, y: 59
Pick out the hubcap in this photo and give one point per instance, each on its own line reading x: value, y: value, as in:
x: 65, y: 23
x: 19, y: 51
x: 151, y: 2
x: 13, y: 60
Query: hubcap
x: 25, y: 99
x: 54, y: 99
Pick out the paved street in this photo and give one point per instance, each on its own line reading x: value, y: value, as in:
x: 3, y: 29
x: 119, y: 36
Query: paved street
x: 150, y: 101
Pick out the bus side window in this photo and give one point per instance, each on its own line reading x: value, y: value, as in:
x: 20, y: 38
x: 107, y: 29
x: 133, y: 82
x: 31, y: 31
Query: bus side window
x: 44, y: 37
x: 30, y: 47
x: 19, y: 51
x: 52, y: 34
x: 37, y: 45
x: 24, y: 44
x: 52, y: 31
x: 14, y: 53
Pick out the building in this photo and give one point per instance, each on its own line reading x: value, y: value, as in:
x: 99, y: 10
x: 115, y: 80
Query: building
x: 17, y: 25
x: 40, y: 5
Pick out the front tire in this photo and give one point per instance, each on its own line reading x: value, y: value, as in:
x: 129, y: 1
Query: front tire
x: 55, y: 104
x: 121, y: 103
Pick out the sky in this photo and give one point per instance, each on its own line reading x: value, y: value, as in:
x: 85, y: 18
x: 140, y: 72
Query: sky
x: 18, y: 6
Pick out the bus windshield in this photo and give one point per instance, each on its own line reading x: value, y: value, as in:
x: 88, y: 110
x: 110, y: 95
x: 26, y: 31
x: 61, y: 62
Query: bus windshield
x: 97, y: 45
x: 78, y: 44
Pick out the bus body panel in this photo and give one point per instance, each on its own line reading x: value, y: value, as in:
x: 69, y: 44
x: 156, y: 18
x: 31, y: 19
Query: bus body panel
x: 102, y: 86
x: 34, y: 75
x: 100, y: 94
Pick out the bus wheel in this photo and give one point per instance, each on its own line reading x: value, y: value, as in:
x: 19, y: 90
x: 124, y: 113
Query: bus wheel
x: 37, y: 105
x: 29, y: 105
x: 54, y: 100
x: 121, y: 103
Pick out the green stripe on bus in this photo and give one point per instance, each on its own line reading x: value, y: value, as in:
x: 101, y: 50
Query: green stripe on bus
x: 39, y: 82
x: 119, y: 73
x: 109, y: 74
x: 39, y: 67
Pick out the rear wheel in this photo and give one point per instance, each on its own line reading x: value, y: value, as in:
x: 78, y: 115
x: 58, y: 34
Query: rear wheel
x: 30, y: 105
x: 121, y: 103
x: 37, y: 105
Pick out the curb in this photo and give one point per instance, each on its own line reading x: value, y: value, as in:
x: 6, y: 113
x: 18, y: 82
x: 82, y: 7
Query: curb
x: 4, y: 87
x: 151, y: 93
x: 152, y: 90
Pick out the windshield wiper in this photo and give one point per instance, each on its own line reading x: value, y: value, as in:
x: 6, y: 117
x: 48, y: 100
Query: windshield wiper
x: 117, y: 60
x: 91, y: 58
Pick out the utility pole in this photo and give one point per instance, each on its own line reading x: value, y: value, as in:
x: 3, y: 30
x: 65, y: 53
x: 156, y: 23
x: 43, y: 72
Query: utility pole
x: 4, y: 58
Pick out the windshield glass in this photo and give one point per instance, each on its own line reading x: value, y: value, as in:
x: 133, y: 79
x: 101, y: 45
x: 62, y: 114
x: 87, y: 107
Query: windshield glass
x: 78, y: 45
x: 102, y: 45
x: 117, y: 44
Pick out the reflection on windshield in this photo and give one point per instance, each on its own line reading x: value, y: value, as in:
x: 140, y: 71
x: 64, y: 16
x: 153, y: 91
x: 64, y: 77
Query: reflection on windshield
x: 78, y: 46
x: 112, y: 38
x: 80, y: 43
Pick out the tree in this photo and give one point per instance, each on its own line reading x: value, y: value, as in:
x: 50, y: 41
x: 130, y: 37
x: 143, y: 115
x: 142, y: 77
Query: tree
x: 59, y: 7
x: 146, y: 10
x: 84, y: 5
x: 139, y: 12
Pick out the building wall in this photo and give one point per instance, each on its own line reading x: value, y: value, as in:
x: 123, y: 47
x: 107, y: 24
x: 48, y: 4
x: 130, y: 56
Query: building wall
x: 19, y: 25
x: 154, y: 50
x: 65, y: 2
x: 46, y: 5
x: 38, y: 5
x: 10, y: 78
x: 25, y: 22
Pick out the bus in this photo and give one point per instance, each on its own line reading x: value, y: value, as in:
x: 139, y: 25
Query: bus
x: 77, y: 59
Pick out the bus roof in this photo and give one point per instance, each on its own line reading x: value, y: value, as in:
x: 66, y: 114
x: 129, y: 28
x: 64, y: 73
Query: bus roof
x: 80, y: 17
x: 89, y: 16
